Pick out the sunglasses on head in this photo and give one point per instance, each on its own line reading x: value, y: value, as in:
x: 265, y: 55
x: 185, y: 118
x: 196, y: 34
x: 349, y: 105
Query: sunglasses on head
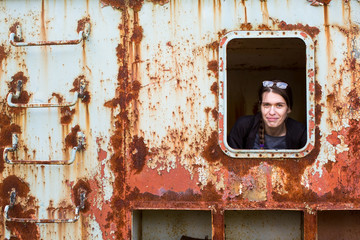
x: 281, y: 85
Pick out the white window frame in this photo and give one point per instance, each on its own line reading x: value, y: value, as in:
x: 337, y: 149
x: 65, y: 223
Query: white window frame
x: 310, y: 96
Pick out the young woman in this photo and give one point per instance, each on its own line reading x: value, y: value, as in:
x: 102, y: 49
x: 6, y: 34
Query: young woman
x: 271, y: 128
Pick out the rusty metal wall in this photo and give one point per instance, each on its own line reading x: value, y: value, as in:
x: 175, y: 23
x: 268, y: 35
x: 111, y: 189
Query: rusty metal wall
x: 149, y: 113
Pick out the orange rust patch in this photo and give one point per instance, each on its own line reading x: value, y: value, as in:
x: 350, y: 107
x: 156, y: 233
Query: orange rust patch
x: 24, y: 96
x: 13, y: 30
x: 71, y: 138
x: 214, y: 45
x: 138, y: 152
x: 177, y: 180
x: 12, y: 182
x: 81, y: 24
x: 354, y: 99
x: 76, y: 88
x: 3, y: 54
x: 137, y: 34
x: 6, y: 134
x: 264, y: 27
x: 246, y: 26
x: 66, y: 115
x: 333, y: 138
x: 81, y: 185
x: 318, y: 92
x: 160, y: 2
x: 212, y: 151
x: 213, y: 66
x: 214, y: 88
x: 21, y: 230
x: 118, y: 4
x: 6, y: 131
x: 324, y: 1
x: 312, y: 31
x: 136, y: 4
x: 58, y: 97
x: 120, y: 52
x: 215, y: 114
x: 208, y: 193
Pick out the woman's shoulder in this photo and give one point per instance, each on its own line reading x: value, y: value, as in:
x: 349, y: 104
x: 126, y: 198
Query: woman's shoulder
x: 295, y: 125
x: 245, y: 120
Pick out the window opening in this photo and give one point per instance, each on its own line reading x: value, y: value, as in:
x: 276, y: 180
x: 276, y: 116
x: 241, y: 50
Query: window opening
x: 249, y: 58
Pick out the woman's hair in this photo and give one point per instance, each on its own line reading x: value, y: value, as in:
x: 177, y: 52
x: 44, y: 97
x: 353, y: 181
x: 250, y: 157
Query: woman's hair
x: 285, y: 93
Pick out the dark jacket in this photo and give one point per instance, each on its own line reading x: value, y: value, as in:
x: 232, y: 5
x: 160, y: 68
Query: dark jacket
x: 243, y: 133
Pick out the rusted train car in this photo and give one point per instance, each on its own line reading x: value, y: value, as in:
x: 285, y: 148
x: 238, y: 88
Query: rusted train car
x: 114, y: 117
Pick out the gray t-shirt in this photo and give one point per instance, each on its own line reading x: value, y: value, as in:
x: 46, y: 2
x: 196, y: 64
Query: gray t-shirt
x: 271, y: 142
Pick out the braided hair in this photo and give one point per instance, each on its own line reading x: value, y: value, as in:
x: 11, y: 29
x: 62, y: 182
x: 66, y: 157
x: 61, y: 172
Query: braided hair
x: 285, y: 93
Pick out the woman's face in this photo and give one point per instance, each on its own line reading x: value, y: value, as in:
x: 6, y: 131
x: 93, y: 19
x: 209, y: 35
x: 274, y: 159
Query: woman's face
x: 274, y: 109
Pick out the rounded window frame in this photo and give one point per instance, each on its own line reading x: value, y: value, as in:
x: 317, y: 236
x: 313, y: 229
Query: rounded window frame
x: 310, y: 96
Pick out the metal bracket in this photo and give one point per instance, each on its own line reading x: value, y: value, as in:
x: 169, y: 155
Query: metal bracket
x: 34, y: 220
x: 16, y: 38
x: 79, y: 147
x: 11, y: 96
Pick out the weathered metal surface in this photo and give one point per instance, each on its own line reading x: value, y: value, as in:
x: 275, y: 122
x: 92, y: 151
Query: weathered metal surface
x: 151, y: 111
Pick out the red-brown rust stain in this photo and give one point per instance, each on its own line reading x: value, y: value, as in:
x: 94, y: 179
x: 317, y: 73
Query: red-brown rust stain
x: 3, y: 54
x: 138, y: 151
x: 71, y: 138
x: 214, y: 88
x: 212, y: 152
x: 222, y: 33
x: 246, y: 26
x: 76, y: 88
x: 81, y: 185
x: 318, y: 92
x: 66, y: 115
x: 58, y: 97
x: 264, y: 10
x: 6, y: 131
x: 81, y: 24
x: 324, y: 1
x: 43, y: 21
x: 117, y: 4
x: 12, y: 29
x: 338, y: 182
x: 264, y: 27
x: 327, y: 31
x: 354, y: 100
x: 120, y: 53
x: 213, y: 66
x: 126, y: 93
x: 312, y: 31
x: 160, y: 2
x: 215, y: 114
x: 20, y: 230
x: 95, y: 197
x: 207, y: 193
x: 176, y: 180
x: 213, y: 46
x: 136, y: 5
x: 24, y: 96
x: 245, y: 10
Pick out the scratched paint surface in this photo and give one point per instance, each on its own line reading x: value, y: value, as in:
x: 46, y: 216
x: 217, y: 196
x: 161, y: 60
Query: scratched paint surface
x: 150, y: 115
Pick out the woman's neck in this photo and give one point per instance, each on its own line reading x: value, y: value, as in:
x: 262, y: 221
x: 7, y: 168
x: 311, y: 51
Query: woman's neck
x: 276, y: 132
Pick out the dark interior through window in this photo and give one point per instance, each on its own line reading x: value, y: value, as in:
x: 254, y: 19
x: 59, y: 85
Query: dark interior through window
x: 252, y: 60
